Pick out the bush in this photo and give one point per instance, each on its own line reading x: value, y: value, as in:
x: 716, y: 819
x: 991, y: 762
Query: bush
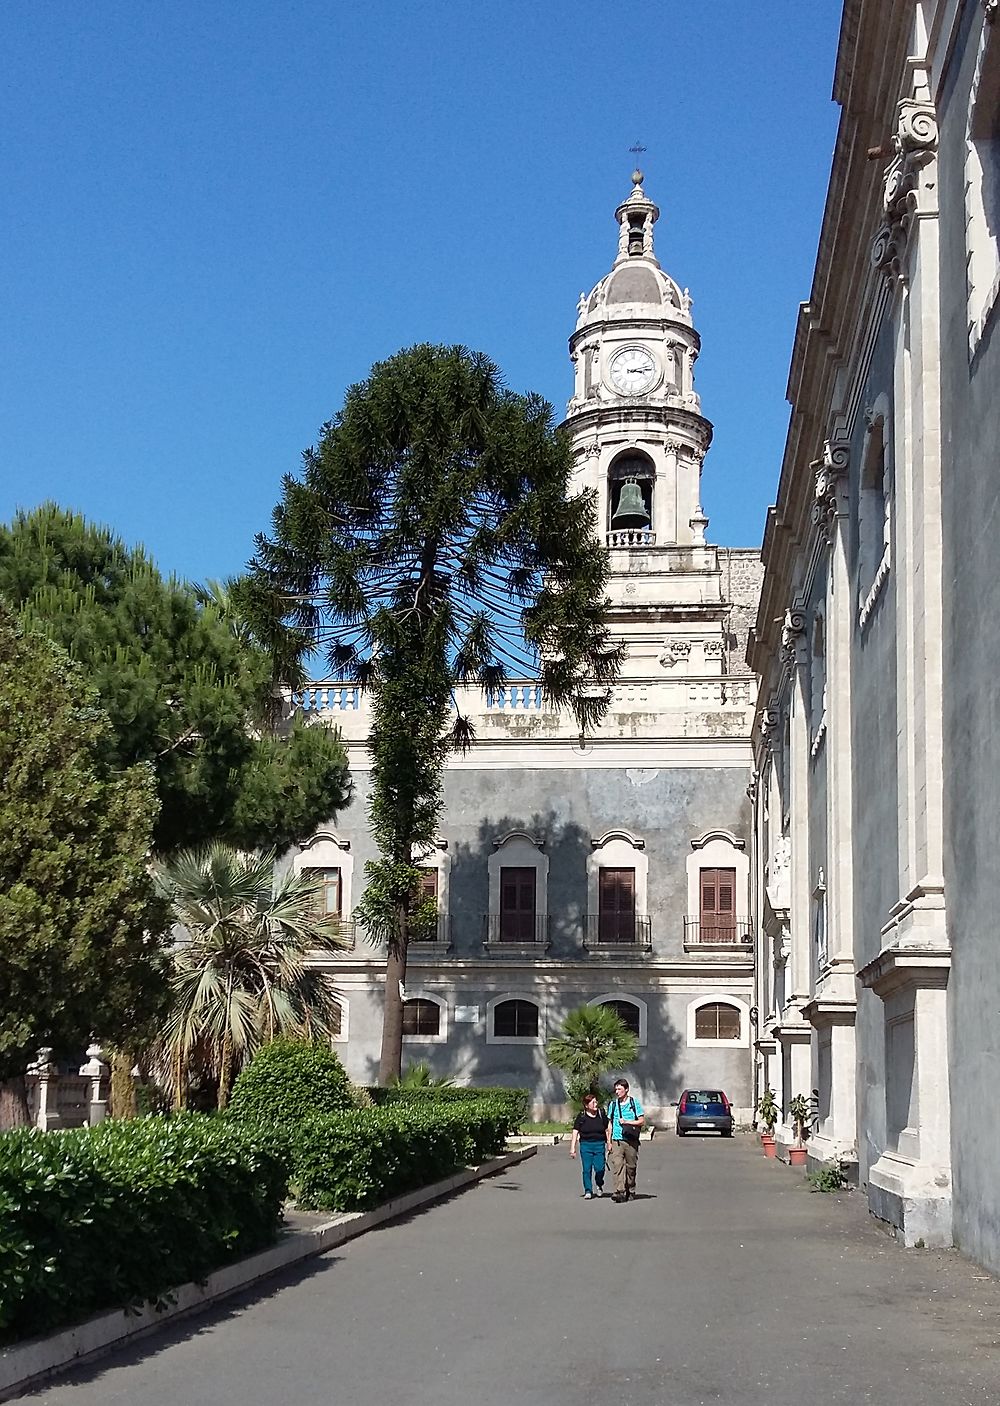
x: 349, y: 1162
x: 104, y: 1217
x: 288, y: 1080
x: 518, y: 1101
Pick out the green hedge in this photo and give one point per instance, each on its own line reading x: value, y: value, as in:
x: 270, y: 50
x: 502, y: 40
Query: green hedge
x: 105, y: 1217
x: 288, y: 1080
x: 349, y: 1162
x: 517, y: 1100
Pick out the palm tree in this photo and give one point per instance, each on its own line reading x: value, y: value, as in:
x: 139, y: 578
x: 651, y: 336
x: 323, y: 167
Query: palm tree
x: 419, y: 1076
x: 593, y: 1040
x: 242, y: 973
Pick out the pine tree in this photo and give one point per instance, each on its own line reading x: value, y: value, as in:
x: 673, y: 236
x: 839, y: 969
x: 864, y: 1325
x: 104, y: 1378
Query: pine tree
x: 434, y: 540
x: 186, y: 687
x: 80, y: 926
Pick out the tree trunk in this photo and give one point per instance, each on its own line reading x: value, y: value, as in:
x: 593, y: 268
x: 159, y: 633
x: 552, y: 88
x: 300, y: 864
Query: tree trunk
x: 390, y: 1063
x: 225, y: 1072
x: 123, y: 1103
x: 14, y: 1103
x: 178, y: 1075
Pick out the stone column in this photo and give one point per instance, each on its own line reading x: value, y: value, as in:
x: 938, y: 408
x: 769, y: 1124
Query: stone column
x: 47, y: 1113
x: 96, y: 1071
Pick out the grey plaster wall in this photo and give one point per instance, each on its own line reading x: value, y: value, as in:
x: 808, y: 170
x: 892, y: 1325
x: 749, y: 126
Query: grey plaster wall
x: 971, y: 513
x: 667, y: 807
x: 876, y: 783
x: 666, y: 1064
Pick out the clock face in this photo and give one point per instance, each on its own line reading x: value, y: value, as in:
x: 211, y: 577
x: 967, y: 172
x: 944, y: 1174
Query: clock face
x: 633, y: 370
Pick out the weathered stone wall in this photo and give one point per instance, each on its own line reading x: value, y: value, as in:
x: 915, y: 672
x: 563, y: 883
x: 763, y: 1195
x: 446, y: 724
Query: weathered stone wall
x: 742, y: 573
x: 970, y: 511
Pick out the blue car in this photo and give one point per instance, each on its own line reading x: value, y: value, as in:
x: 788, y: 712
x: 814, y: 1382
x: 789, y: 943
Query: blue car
x: 704, y: 1111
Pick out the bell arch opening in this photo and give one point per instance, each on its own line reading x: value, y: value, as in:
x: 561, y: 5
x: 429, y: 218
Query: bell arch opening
x: 631, y: 484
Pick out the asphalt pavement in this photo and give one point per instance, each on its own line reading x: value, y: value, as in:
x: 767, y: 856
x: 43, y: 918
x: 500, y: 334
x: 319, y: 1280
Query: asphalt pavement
x: 726, y: 1281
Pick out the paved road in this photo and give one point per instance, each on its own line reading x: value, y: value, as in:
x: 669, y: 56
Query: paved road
x: 726, y: 1282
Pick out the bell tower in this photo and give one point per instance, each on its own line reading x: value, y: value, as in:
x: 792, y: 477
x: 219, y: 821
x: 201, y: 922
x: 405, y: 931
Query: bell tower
x: 639, y: 439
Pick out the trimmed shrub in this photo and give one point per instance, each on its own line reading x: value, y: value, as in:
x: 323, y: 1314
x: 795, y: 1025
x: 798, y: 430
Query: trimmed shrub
x: 288, y: 1080
x: 350, y: 1162
x: 517, y: 1100
x: 105, y: 1217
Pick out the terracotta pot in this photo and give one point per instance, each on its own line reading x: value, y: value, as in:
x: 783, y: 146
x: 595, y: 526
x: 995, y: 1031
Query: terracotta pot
x: 797, y: 1156
x: 767, y: 1143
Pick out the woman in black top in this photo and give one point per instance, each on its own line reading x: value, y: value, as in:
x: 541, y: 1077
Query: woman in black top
x: 590, y: 1135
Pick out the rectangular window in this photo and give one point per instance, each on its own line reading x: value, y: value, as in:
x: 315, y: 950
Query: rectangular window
x: 616, y: 898
x: 429, y: 884
x: 717, y: 920
x: 329, y: 897
x: 517, y: 905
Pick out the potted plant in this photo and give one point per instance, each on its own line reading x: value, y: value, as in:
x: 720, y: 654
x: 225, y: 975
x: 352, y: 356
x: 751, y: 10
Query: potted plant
x: 767, y: 1114
x: 799, y: 1110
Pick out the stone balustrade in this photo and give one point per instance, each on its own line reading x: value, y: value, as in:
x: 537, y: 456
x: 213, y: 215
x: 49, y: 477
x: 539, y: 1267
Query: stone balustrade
x: 687, y: 705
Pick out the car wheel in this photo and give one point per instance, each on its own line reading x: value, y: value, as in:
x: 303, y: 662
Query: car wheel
x: 679, y: 1132
x: 727, y: 1133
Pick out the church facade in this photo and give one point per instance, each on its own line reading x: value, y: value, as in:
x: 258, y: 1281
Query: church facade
x: 876, y: 745
x: 613, y: 867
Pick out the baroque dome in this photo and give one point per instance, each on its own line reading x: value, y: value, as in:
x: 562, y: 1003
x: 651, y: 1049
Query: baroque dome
x: 637, y: 287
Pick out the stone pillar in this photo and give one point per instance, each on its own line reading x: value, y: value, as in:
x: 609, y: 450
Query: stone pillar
x: 47, y: 1113
x: 96, y: 1071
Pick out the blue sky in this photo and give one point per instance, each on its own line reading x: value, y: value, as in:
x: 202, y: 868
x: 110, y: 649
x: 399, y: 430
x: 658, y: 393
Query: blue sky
x: 218, y: 216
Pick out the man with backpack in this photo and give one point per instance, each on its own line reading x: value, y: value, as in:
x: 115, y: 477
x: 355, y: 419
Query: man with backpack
x: 625, y: 1118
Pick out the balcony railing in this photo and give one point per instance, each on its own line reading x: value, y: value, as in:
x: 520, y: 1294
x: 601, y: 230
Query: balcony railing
x: 516, y: 930
x: 719, y: 932
x: 617, y: 932
x: 437, y: 933
x: 631, y: 537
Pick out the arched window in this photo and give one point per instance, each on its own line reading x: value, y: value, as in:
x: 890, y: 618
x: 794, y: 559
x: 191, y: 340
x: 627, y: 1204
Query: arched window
x: 628, y: 1014
x: 515, y: 1020
x: 717, y: 1021
x: 421, y: 1017
x: 631, y: 474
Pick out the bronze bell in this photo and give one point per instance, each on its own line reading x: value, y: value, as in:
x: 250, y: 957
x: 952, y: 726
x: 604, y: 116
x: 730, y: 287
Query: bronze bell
x: 631, y: 510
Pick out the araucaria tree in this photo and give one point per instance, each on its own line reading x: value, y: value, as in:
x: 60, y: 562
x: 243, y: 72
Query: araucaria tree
x: 187, y: 687
x: 435, y: 540
x: 80, y: 927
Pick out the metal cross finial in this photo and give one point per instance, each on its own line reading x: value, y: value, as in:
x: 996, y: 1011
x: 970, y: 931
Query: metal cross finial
x: 638, y: 149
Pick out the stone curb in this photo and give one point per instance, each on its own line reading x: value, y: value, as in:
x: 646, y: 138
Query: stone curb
x: 26, y: 1365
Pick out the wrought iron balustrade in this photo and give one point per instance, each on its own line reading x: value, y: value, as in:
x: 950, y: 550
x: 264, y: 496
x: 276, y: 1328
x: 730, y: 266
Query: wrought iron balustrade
x: 719, y: 932
x: 516, y: 929
x: 617, y: 931
x: 437, y: 932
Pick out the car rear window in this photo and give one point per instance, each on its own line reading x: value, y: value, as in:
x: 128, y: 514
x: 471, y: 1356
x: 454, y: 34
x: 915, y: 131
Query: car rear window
x: 704, y: 1096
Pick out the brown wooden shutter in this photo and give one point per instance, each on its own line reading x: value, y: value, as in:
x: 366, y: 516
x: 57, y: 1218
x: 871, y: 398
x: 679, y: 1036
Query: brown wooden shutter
x: 429, y: 884
x: 718, y: 905
x: 517, y: 905
x: 616, y: 900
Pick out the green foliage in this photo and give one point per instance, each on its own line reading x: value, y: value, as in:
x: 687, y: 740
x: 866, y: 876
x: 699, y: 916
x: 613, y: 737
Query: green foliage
x: 105, y: 1217
x: 826, y: 1179
x: 767, y: 1111
x: 578, y: 1088
x: 242, y: 974
x: 288, y: 1080
x: 187, y: 689
x: 517, y: 1102
x: 80, y: 926
x: 350, y: 1162
x: 435, y: 540
x: 419, y: 1076
x: 800, y: 1112
x: 592, y: 1041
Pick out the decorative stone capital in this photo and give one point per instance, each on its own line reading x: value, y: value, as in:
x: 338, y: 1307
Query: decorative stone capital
x: 713, y: 649
x: 906, y: 192
x: 674, y: 652
x: 793, y: 638
x: 830, y: 475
